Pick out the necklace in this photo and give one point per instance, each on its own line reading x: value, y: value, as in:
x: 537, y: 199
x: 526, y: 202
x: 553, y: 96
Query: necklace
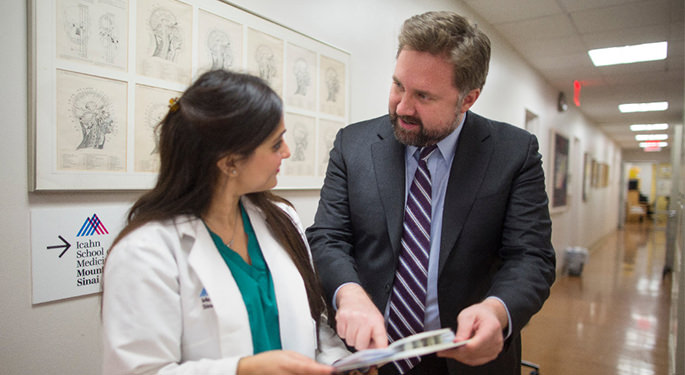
x: 235, y: 227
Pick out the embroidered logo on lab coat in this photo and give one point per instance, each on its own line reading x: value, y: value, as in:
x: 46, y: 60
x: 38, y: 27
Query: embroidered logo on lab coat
x: 206, y: 301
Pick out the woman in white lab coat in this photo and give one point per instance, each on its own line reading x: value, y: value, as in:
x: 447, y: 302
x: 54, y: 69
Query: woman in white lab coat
x: 212, y: 274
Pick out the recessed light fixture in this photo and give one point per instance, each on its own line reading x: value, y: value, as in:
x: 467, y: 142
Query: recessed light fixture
x: 653, y: 144
x: 651, y: 137
x: 648, y: 127
x: 629, y: 54
x: 643, y: 107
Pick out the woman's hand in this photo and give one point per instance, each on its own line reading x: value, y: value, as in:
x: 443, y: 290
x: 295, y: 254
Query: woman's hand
x: 281, y: 362
x: 373, y: 370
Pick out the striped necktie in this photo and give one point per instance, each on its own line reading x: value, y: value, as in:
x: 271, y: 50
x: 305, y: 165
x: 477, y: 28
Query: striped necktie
x: 407, y: 302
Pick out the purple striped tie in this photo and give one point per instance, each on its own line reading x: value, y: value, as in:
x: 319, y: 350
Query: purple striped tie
x: 407, y: 302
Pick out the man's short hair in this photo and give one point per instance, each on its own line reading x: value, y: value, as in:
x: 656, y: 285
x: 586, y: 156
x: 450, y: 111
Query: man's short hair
x: 453, y: 37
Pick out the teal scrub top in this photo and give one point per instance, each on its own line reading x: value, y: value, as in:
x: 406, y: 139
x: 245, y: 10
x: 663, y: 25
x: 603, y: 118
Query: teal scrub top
x: 257, y: 288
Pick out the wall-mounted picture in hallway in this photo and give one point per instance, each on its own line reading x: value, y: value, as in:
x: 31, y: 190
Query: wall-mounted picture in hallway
x: 587, y: 176
x: 560, y: 153
x: 604, y: 175
x: 103, y: 73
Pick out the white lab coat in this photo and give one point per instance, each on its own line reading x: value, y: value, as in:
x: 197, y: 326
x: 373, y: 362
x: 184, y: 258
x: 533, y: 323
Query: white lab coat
x: 171, y: 306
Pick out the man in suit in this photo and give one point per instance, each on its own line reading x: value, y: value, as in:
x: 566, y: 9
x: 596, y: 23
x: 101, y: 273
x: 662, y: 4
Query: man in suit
x: 490, y: 259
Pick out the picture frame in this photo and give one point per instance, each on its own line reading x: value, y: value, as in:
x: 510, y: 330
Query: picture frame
x: 587, y: 176
x: 604, y: 175
x: 560, y: 147
x: 102, y: 73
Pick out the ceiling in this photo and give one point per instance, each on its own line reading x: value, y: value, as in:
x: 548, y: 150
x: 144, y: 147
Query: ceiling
x: 555, y: 35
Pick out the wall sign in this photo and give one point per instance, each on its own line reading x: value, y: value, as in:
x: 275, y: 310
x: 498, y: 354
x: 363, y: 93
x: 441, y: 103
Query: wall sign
x: 68, y: 248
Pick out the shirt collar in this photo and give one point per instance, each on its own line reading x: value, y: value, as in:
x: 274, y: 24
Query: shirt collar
x: 447, y: 146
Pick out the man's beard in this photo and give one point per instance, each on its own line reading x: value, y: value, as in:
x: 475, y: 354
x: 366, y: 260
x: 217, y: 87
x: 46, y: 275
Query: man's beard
x: 423, y: 137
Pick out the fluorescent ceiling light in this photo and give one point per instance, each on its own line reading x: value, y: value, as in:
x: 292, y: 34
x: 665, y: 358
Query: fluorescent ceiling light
x: 653, y: 144
x: 643, y: 107
x: 647, y: 127
x: 651, y: 137
x: 628, y: 54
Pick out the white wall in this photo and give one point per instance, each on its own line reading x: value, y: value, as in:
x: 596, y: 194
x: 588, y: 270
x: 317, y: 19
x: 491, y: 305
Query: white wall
x: 63, y: 337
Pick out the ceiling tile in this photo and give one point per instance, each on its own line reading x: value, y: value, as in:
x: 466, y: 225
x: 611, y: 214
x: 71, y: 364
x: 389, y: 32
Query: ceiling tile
x: 551, y: 27
x: 557, y: 63
x: 632, y: 78
x: 552, y: 47
x: 627, y: 16
x: 634, y: 69
x: 491, y: 10
x: 628, y: 36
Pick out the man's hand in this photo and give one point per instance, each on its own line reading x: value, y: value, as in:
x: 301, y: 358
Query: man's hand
x: 483, y: 323
x: 358, y: 320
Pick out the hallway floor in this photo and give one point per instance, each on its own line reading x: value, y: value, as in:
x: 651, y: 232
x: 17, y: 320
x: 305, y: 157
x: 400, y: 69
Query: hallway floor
x: 611, y: 320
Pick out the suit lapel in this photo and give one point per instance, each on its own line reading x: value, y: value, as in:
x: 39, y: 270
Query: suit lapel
x: 469, y: 166
x: 388, y: 161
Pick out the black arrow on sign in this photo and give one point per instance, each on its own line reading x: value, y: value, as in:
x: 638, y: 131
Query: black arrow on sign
x: 66, y: 246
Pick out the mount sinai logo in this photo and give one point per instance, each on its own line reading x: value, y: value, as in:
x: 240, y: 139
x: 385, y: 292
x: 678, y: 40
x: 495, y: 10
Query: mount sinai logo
x: 91, y: 226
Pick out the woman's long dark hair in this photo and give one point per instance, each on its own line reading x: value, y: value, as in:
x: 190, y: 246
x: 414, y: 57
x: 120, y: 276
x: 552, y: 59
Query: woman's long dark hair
x: 221, y: 113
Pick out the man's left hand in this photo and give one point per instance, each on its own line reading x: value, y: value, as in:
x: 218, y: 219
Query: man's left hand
x: 483, y: 324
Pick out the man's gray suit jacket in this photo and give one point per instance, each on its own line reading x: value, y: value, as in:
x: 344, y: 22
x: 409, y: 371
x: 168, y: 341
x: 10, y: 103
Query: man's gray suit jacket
x: 496, y: 235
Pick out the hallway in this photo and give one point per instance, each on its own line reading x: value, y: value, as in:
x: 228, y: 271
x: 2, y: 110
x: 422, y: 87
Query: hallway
x: 613, y: 319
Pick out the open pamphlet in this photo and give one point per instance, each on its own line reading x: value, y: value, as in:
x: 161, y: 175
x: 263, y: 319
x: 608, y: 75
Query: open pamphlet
x: 412, y: 346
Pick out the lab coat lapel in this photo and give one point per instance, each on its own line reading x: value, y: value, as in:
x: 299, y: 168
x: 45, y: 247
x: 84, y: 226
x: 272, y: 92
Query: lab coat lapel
x: 216, y: 278
x: 296, y: 325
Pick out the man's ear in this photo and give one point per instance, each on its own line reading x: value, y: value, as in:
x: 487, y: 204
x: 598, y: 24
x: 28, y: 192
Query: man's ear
x: 469, y: 100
